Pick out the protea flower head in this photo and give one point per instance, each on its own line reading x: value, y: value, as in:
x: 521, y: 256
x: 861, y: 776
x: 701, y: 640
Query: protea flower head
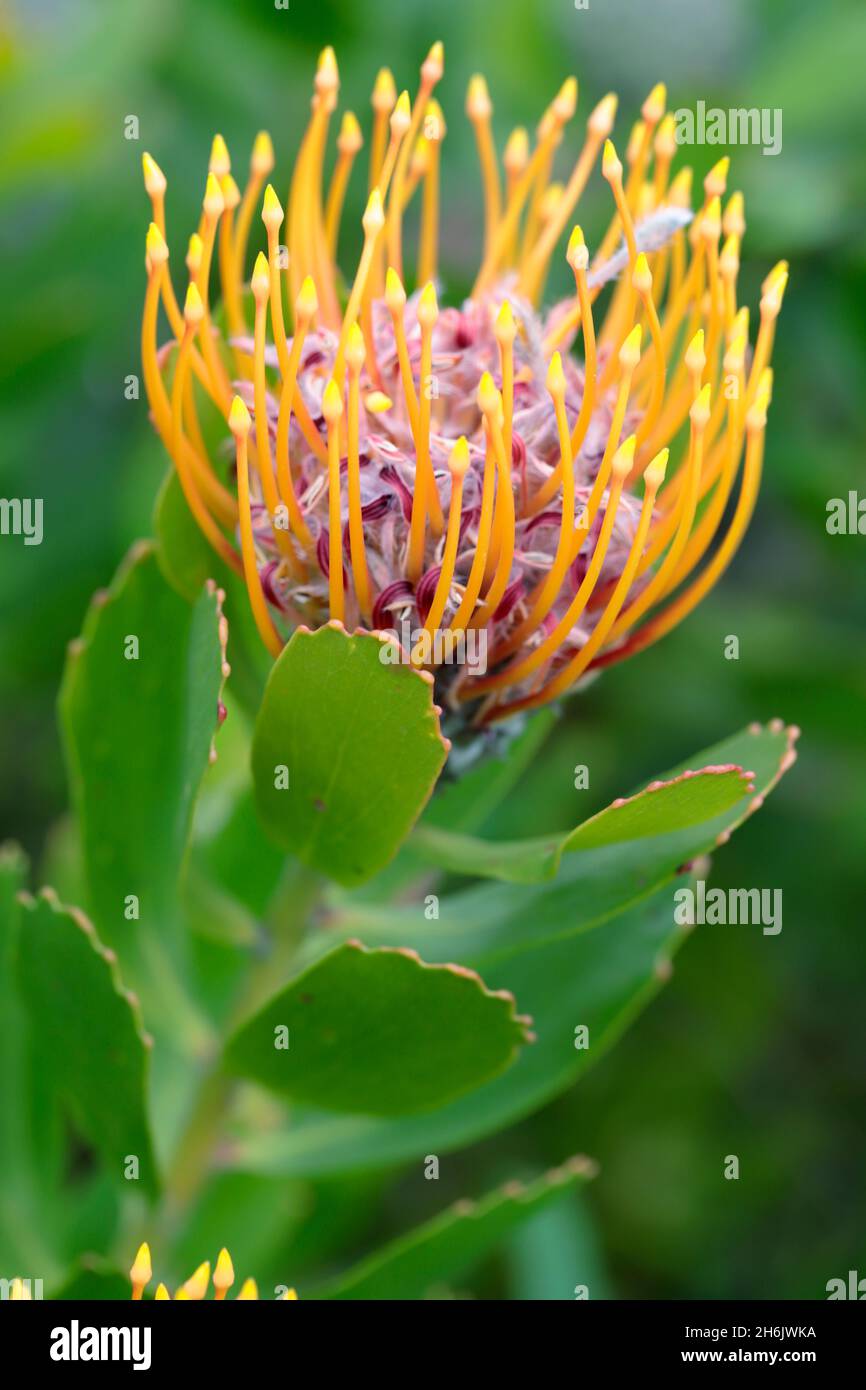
x: 195, y: 1288
x: 452, y: 471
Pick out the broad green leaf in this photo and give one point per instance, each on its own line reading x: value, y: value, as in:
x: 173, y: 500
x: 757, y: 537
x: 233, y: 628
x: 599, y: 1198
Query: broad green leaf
x: 379, y: 1032
x: 534, y: 940
x: 690, y: 799
x: 88, y: 1032
x: 358, y: 743
x: 447, y: 1247
x: 138, y: 734
x: 579, y: 981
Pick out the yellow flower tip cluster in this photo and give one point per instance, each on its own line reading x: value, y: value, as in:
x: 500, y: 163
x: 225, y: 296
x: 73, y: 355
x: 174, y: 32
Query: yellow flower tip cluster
x: 464, y: 467
x: 195, y: 1288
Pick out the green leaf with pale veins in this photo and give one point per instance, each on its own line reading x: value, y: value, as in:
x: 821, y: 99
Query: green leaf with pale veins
x: 448, y: 1247
x: 138, y: 735
x: 380, y: 1033
x: 360, y: 744
x: 88, y: 1032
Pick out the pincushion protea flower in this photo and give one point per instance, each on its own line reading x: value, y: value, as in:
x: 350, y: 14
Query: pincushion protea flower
x: 195, y: 1288
x: 459, y: 469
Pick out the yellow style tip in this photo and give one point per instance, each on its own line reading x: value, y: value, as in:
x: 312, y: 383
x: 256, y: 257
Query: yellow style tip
x: 635, y: 141
x: 779, y: 269
x: 734, y: 219
x: 220, y: 163
x: 157, y: 251
x: 194, y: 250
x: 374, y: 217
x: 193, y: 309
x: 654, y: 107
x: 478, y: 104
x: 623, y: 459
x: 716, y: 180
x: 260, y: 284
x: 272, y: 208
x: 332, y: 402
x: 401, y: 116
x: 611, y: 166
x: 771, y: 300
x: 307, y: 302
x: 577, y: 253
x: 505, y: 329
x: 395, y: 294
x: 377, y: 403
x: 154, y: 179
x: 290, y: 1296
x: 262, y: 159
x: 435, y: 128
x: 142, y: 1268
x: 428, y: 306
x: 516, y: 155
x: 230, y: 191
x: 565, y: 102
x: 735, y: 356
x: 384, y: 91
x: 350, y: 140
x: 489, y: 399
x: 654, y: 474
x: 680, y: 194
x: 213, y: 201
x: 458, y: 459
x: 224, y: 1271
x: 629, y: 353
x: 603, y: 116
x: 434, y: 64
x: 699, y: 412
x: 249, y: 1290
x: 711, y: 222
x: 642, y: 279
x: 356, y: 350
x: 162, y: 1294
x: 195, y: 1287
x: 665, y: 143
x: 239, y: 418
x: 556, y: 376
x: 696, y: 357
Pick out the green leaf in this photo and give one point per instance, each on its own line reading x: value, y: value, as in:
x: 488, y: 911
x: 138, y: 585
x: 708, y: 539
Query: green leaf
x: 447, y: 1247
x: 138, y: 735
x: 534, y: 940
x: 379, y: 1032
x: 688, y: 800
x: 361, y: 747
x: 88, y: 1032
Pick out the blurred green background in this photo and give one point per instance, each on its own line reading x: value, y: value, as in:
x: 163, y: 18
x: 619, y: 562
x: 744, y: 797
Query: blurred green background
x: 757, y: 1045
